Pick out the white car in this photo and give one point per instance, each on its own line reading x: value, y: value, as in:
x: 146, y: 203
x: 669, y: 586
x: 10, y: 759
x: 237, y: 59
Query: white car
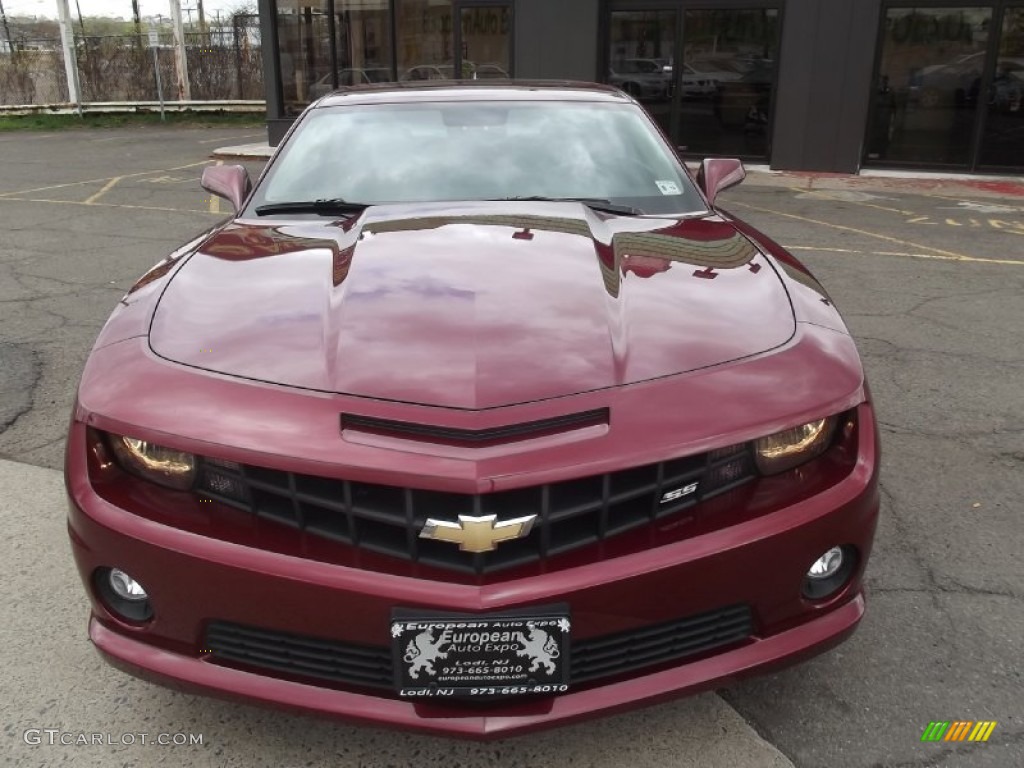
x: 641, y: 78
x: 701, y: 80
x: 429, y: 72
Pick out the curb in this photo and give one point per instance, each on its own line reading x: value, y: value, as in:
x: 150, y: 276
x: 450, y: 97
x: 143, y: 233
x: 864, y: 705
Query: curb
x: 257, y: 151
x: 130, y: 107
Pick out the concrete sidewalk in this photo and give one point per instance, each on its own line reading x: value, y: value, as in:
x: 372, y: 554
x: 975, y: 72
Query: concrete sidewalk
x: 54, y: 680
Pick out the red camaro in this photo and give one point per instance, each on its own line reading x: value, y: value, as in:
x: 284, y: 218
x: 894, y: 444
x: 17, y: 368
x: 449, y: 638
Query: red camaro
x: 477, y: 417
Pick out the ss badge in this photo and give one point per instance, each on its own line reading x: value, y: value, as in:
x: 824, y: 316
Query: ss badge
x: 678, y: 493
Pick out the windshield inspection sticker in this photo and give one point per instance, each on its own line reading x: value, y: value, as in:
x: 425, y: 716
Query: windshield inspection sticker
x: 668, y: 187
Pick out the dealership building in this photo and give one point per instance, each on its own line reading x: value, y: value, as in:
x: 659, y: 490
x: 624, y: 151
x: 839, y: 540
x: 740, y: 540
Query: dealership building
x: 814, y: 85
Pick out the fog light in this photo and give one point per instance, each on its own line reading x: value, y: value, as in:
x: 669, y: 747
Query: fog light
x: 827, y: 566
x: 122, y: 595
x: 830, y: 572
x: 126, y: 587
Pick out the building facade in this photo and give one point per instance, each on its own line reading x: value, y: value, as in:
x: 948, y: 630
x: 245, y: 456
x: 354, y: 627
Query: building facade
x: 814, y: 85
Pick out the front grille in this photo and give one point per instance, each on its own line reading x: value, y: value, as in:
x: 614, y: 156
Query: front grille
x: 388, y: 519
x: 371, y: 667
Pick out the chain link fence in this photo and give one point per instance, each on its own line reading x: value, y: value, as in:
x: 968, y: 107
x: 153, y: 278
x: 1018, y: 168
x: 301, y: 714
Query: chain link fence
x: 226, y: 63
x: 223, y: 63
x: 33, y: 73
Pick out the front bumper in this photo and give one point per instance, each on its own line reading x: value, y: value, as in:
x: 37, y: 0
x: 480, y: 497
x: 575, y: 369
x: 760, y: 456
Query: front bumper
x: 194, y: 675
x: 193, y: 580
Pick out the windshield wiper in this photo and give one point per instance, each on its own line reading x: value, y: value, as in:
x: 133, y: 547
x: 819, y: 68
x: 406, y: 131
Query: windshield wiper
x: 595, y: 203
x: 333, y: 205
x: 338, y: 205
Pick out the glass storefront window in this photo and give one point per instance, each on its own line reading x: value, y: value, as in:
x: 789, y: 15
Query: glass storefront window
x: 425, y: 43
x: 929, y: 85
x: 304, y: 50
x: 363, y: 34
x: 719, y: 102
x: 728, y: 81
x: 486, y: 41
x: 641, y: 57
x: 324, y: 44
x: 1003, y: 141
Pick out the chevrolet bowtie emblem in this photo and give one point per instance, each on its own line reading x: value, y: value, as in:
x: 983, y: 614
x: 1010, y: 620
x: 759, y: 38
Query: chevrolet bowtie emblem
x: 477, y: 534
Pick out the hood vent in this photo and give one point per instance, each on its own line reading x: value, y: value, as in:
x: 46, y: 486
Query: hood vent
x: 475, y: 437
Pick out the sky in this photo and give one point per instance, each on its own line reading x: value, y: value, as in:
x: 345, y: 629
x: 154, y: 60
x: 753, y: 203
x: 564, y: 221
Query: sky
x: 115, y: 8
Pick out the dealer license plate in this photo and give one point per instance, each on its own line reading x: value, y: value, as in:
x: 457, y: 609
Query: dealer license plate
x: 442, y: 655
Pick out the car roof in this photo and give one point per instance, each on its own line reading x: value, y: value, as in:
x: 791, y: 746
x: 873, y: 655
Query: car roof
x: 471, y: 90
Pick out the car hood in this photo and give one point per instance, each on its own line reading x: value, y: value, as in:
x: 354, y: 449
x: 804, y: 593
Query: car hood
x: 472, y: 306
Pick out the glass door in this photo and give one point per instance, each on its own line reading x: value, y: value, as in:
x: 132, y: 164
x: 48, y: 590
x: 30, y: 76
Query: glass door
x: 929, y: 85
x: 483, y: 40
x: 728, y: 81
x: 1002, y: 141
x: 707, y: 76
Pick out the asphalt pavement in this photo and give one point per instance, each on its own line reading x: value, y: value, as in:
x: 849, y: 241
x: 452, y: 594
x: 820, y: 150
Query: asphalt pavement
x: 930, y: 278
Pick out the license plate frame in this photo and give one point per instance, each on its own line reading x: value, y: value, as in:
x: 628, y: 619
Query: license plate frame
x: 447, y: 655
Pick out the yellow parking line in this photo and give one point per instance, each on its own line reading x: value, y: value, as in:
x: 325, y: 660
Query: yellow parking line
x: 106, y: 188
x: 820, y: 248
x: 844, y: 228
x: 97, y: 181
x: 214, y: 200
x: 937, y: 257
x: 940, y: 257
x: 104, y: 205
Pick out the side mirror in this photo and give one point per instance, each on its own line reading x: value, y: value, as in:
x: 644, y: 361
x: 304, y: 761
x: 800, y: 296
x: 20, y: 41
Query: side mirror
x: 719, y: 173
x: 228, y: 181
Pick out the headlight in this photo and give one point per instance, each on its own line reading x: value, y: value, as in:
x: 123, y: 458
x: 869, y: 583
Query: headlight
x: 173, y: 469
x: 792, y: 447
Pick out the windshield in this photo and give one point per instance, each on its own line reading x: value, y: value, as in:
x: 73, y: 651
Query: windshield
x: 465, y: 151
